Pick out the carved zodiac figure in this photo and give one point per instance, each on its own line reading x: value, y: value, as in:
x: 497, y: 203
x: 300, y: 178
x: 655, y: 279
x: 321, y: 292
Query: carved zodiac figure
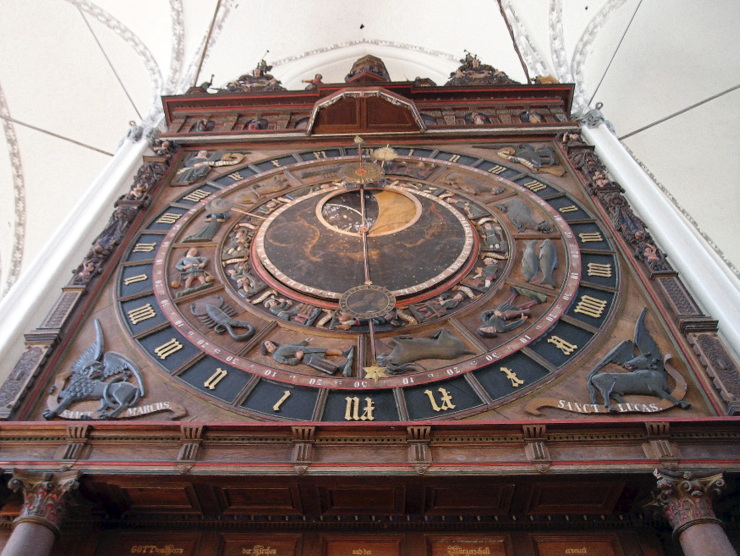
x: 199, y: 166
x: 192, y: 269
x: 407, y: 350
x: 646, y: 377
x: 98, y: 375
x: 542, y: 159
x: 548, y: 263
x: 495, y: 321
x: 218, y: 213
x: 312, y: 356
x: 521, y: 216
x: 219, y: 317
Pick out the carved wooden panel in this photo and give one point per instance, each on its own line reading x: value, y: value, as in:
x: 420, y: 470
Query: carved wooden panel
x: 490, y: 499
x: 258, y: 545
x: 362, y: 499
x: 573, y: 497
x: 573, y: 545
x: 362, y: 546
x: 265, y: 499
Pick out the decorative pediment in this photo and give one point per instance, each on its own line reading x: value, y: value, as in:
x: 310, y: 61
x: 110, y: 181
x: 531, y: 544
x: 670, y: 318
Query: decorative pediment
x: 365, y: 110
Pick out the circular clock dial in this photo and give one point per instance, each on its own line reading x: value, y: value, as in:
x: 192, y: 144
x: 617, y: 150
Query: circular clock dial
x: 415, y: 241
x: 484, y: 281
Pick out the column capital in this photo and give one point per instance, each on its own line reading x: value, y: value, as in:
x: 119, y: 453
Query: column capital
x: 686, y: 497
x: 44, y: 496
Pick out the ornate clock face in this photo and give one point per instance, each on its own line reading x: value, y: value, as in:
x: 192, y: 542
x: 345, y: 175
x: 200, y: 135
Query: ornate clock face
x: 449, y: 287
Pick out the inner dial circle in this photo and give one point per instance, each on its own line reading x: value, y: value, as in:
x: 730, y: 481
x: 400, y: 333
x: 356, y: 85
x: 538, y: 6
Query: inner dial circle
x: 386, y: 211
x: 416, y: 241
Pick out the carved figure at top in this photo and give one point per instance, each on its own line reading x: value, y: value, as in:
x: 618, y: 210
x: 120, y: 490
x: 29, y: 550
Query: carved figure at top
x: 646, y: 374
x: 473, y: 72
x: 367, y: 69
x: 258, y: 80
x: 198, y: 166
x: 540, y: 159
x: 314, y: 83
x: 98, y: 375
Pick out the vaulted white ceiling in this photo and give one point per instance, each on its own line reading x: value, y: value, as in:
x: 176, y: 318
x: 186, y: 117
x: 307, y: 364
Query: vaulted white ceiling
x: 74, y: 73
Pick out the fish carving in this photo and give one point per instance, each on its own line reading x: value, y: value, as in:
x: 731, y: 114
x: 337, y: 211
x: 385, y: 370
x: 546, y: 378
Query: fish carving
x: 530, y: 264
x: 548, y: 263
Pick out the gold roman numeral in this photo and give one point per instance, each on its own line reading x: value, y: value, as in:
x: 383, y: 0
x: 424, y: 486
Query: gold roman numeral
x: 497, y: 169
x: 516, y: 382
x: 144, y: 247
x: 454, y: 158
x: 569, y: 208
x: 169, y: 218
x: 534, y: 185
x: 236, y: 176
x: 566, y: 347
x: 602, y: 270
x: 352, y: 410
x: 590, y: 306
x: 168, y: 348
x: 135, y: 316
x: 445, y: 400
x: 286, y: 395
x: 587, y: 237
x: 215, y: 378
x: 197, y: 195
x: 133, y: 279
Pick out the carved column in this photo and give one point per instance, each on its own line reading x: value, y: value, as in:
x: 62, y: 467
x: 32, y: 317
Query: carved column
x: 685, y: 499
x: 44, y: 498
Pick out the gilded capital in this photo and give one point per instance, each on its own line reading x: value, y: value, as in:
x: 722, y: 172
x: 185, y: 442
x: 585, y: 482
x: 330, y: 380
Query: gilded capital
x: 44, y: 496
x: 686, y: 497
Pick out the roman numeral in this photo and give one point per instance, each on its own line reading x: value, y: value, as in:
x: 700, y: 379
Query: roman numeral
x: 569, y: 208
x: 590, y: 306
x: 352, y: 410
x: 566, y: 347
x: 133, y: 279
x: 215, y: 378
x: 454, y: 158
x: 286, y: 395
x: 587, y: 237
x: 445, y: 400
x: 602, y: 270
x: 236, y: 176
x: 197, y: 195
x: 144, y: 247
x: 497, y: 169
x: 135, y: 316
x: 534, y: 185
x: 516, y: 382
x: 169, y: 218
x: 168, y: 348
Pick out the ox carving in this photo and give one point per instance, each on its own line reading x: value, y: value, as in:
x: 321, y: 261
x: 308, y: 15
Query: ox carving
x: 646, y: 374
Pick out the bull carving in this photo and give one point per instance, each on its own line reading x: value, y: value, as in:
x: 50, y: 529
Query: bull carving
x: 646, y: 374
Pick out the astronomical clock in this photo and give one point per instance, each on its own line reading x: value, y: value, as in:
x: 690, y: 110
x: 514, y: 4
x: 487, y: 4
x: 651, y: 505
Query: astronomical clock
x: 381, y: 259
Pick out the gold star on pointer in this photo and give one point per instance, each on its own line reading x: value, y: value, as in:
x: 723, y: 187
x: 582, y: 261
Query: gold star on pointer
x: 375, y: 372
